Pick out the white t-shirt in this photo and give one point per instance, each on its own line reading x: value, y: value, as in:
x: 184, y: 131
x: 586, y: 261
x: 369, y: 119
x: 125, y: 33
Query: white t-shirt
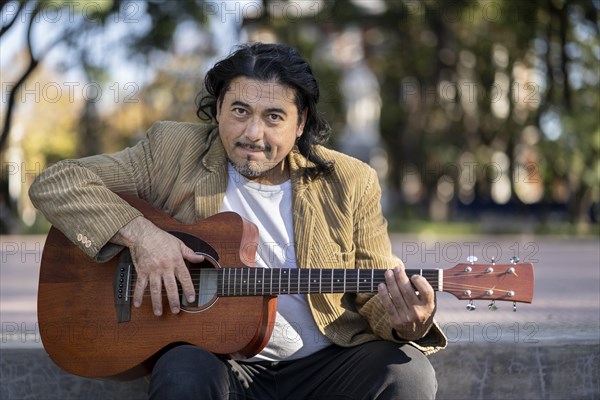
x: 295, y: 333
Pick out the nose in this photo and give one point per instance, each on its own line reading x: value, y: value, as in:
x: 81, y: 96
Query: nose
x: 255, y: 129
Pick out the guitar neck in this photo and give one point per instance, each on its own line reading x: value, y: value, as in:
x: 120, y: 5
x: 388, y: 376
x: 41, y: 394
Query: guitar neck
x: 276, y: 281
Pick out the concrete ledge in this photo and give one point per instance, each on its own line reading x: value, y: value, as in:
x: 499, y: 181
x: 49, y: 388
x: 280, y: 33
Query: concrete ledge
x: 29, y: 374
x: 465, y: 371
x: 518, y: 371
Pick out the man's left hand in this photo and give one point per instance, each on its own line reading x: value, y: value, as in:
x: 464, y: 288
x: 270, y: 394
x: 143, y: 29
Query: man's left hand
x: 409, y: 303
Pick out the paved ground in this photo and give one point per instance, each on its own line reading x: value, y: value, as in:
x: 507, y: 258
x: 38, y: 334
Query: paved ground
x: 546, y: 350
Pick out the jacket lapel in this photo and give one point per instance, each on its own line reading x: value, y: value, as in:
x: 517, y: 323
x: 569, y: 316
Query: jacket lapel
x: 302, y: 210
x: 210, y: 188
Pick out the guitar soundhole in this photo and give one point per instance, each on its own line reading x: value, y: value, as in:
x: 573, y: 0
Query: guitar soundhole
x: 204, y: 274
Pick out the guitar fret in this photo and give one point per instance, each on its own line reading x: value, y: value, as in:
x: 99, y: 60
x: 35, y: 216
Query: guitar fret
x: 279, y: 290
x: 263, y: 281
x: 357, y: 281
x: 235, y: 282
x: 228, y: 281
x: 332, y: 273
x: 372, y: 276
x: 271, y: 282
x: 242, y: 282
x: 320, y: 279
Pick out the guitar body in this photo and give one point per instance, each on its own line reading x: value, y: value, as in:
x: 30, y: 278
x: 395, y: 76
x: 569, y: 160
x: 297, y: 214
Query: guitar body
x: 79, y: 320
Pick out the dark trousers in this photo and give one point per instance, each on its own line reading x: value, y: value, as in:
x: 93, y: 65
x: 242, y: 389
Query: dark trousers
x: 374, y: 370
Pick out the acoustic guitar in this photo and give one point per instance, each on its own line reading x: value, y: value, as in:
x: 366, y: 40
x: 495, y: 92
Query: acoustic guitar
x: 90, y: 328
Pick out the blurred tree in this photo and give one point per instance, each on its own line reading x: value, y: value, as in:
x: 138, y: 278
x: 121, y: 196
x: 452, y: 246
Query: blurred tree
x: 84, y: 33
x: 31, y: 13
x: 487, y: 106
x: 76, y: 24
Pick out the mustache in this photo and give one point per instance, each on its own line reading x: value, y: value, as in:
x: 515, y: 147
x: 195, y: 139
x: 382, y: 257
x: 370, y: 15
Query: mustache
x: 253, y: 146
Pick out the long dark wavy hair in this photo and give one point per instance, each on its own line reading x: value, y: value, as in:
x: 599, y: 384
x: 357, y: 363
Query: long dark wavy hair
x: 272, y: 63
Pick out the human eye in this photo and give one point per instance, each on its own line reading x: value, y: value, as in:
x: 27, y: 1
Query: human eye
x: 240, y: 111
x: 274, y: 117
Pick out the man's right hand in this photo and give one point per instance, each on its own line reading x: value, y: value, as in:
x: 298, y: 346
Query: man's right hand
x: 158, y: 258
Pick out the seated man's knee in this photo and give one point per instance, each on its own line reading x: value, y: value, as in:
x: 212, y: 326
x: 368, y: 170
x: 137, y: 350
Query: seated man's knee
x: 412, y: 380
x: 187, y: 372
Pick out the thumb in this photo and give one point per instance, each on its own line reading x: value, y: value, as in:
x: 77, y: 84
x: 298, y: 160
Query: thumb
x: 190, y: 255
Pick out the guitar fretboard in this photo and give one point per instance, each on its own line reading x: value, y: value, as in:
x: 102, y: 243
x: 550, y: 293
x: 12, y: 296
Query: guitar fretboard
x: 275, y: 281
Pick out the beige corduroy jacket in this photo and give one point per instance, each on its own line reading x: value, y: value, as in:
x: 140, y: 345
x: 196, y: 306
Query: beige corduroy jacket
x: 181, y: 168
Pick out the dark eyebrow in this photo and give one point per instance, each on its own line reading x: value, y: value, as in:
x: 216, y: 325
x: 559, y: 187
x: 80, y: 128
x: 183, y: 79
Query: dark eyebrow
x: 268, y: 110
x: 240, y: 103
x: 276, y: 110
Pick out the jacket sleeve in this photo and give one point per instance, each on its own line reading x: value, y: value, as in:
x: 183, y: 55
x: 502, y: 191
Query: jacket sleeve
x: 78, y: 196
x: 373, y: 250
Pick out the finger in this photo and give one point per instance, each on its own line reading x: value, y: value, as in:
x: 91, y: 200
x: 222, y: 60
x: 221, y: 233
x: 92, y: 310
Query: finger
x: 187, y: 285
x: 172, y: 292
x: 190, y: 255
x: 405, y: 286
x: 426, y: 292
x: 155, y: 294
x: 388, y: 305
x: 183, y: 273
x: 396, y: 295
x: 140, y: 288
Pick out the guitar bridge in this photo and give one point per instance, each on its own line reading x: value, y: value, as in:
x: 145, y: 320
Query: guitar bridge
x: 122, y: 286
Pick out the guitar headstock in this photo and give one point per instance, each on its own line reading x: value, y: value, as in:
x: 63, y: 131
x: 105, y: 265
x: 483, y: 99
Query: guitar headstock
x: 496, y: 282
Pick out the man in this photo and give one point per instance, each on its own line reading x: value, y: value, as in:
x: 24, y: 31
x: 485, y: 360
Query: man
x: 260, y: 155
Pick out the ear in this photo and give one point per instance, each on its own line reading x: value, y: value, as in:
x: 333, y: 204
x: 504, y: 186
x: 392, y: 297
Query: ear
x: 218, y: 108
x: 300, y: 129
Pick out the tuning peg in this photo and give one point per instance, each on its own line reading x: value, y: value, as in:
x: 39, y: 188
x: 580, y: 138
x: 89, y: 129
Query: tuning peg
x: 471, y: 306
x: 514, y: 260
x: 493, y: 260
x: 492, y: 306
x: 514, y: 306
x: 471, y: 259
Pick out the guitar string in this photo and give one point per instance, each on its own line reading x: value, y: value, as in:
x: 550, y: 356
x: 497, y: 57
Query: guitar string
x: 303, y: 286
x: 305, y: 290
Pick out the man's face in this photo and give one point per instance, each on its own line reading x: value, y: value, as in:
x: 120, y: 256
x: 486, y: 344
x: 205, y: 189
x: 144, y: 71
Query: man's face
x: 258, y: 125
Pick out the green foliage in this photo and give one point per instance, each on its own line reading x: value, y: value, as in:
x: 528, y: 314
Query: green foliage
x: 479, y: 94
